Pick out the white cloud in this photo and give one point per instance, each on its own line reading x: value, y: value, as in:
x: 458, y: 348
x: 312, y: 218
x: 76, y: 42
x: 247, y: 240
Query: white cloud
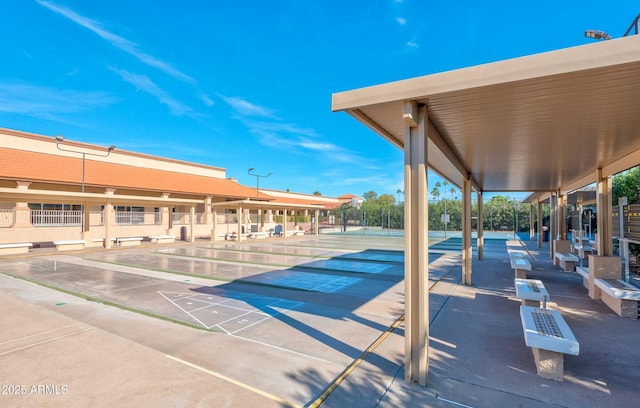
x: 401, y: 21
x: 32, y: 100
x: 412, y: 44
x: 116, y: 40
x: 206, y: 99
x: 145, y: 84
x: 247, y: 108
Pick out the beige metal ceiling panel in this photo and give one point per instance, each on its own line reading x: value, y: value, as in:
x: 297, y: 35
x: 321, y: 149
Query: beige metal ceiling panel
x: 538, y: 123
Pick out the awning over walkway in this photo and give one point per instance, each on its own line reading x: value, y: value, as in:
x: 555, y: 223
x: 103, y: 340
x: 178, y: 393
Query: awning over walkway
x: 550, y: 123
x: 544, y: 122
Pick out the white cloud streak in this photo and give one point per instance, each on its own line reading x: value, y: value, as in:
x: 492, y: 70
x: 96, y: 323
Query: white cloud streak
x: 145, y: 84
x: 246, y: 108
x: 401, y: 21
x: 26, y: 99
x: 116, y: 40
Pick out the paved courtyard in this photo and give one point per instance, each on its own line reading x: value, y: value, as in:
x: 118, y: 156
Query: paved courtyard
x: 279, y: 323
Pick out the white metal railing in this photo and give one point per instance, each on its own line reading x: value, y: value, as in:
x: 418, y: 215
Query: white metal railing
x: 7, y: 217
x: 137, y: 218
x: 56, y: 217
x: 184, y: 218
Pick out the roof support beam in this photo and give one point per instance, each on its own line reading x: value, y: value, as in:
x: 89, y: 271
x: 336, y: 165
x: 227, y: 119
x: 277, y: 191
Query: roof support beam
x: 416, y: 264
x: 439, y: 142
x: 466, y: 231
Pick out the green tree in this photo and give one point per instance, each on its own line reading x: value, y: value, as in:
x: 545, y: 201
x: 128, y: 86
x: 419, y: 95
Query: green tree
x: 625, y: 184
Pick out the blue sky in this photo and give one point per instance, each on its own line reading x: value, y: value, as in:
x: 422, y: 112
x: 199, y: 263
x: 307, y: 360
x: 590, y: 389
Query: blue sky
x: 249, y: 84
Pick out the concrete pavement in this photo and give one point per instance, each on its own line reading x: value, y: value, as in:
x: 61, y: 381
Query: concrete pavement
x: 92, y: 354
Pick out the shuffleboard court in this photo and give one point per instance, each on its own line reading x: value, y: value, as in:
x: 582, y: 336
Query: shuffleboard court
x: 261, y: 258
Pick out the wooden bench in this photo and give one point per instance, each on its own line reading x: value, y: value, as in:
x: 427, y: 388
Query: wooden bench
x: 521, y: 266
x: 621, y: 297
x: 17, y: 248
x: 69, y: 244
x: 162, y: 239
x: 532, y: 292
x: 550, y: 338
x: 129, y: 241
x: 567, y: 261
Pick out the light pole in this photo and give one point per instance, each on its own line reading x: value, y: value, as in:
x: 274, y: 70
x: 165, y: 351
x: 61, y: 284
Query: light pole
x: 258, y: 176
x: 60, y: 139
x: 601, y: 35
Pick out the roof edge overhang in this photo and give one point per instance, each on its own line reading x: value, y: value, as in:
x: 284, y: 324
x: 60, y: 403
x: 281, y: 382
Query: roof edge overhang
x: 253, y: 204
x: 11, y: 194
x: 556, y: 62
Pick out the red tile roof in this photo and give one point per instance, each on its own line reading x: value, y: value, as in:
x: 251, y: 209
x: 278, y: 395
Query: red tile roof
x: 33, y: 166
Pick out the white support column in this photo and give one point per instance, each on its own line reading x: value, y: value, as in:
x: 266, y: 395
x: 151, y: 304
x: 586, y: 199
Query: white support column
x: 284, y: 224
x: 192, y: 222
x: 562, y: 215
x: 214, y: 224
x: 316, y: 228
x: 553, y: 220
x: 540, y: 226
x: 207, y: 212
x: 480, y: 226
x: 467, y: 253
x: 531, y: 223
x: 603, y: 204
x: 239, y: 213
x: 106, y: 217
x: 416, y: 265
x: 86, y: 221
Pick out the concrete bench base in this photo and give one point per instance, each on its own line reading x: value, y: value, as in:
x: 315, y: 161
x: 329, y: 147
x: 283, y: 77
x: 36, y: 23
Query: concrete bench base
x: 123, y: 242
x: 69, y: 245
x: 584, y: 272
x: 14, y: 249
x: 549, y: 364
x: 566, y: 261
x: 549, y: 336
x: 623, y: 301
x: 519, y: 265
x: 94, y: 243
x: 162, y: 239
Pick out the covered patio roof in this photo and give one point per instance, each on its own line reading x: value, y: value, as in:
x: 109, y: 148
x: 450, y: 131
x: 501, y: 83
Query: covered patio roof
x: 539, y: 123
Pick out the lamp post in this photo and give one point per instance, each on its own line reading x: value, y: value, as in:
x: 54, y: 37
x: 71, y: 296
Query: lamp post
x: 258, y: 176
x: 601, y: 35
x: 59, y: 140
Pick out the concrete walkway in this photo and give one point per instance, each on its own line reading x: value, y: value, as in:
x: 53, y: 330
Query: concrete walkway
x: 66, y: 351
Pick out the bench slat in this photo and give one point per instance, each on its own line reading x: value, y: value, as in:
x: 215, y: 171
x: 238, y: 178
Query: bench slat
x: 546, y: 329
x: 619, y: 289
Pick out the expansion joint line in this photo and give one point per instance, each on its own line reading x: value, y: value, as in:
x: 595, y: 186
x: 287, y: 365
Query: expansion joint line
x: 355, y: 364
x: 332, y: 387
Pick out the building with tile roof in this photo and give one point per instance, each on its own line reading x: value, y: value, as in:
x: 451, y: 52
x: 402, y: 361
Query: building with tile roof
x: 52, y: 189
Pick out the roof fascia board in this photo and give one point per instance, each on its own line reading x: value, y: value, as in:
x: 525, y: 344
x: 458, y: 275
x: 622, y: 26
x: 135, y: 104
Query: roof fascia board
x: 10, y: 194
x: 262, y: 204
x: 574, y: 59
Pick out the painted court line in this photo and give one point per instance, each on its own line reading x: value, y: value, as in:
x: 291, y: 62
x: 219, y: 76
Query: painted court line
x: 178, y: 306
x: 234, y: 382
x: 45, y: 341
x: 38, y: 334
x: 268, y: 311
